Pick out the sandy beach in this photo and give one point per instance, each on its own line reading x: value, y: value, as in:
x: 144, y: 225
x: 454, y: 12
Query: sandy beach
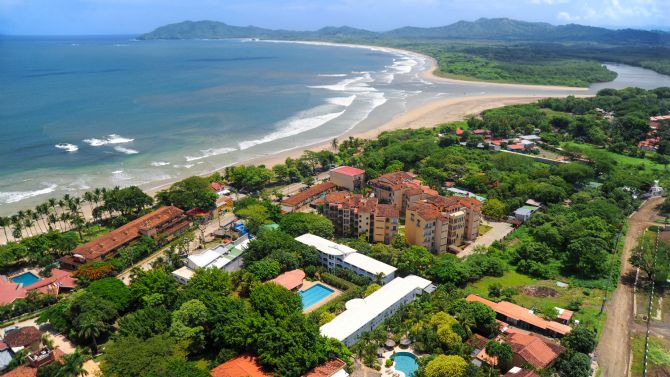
x: 425, y: 115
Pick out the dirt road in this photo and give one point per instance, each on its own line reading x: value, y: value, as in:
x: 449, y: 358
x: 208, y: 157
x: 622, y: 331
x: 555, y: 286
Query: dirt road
x: 613, y: 351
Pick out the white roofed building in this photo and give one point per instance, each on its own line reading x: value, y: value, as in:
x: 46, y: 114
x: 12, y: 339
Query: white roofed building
x: 224, y: 257
x: 365, y: 314
x: 334, y: 255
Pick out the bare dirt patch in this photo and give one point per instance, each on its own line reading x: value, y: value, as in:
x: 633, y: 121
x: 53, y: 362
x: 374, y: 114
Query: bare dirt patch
x: 539, y: 291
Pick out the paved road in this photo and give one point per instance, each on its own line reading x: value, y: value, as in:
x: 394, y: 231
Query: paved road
x: 613, y: 351
x: 497, y: 232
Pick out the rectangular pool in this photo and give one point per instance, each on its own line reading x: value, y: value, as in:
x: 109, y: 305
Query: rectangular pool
x: 26, y: 278
x: 314, y: 294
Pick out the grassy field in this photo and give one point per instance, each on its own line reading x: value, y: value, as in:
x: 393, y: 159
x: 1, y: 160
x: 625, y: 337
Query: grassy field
x: 658, y: 359
x: 619, y: 158
x: 94, y: 231
x: 590, y: 299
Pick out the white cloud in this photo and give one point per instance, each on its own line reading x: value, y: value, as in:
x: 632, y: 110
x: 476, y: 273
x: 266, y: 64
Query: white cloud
x: 565, y: 16
x: 549, y: 2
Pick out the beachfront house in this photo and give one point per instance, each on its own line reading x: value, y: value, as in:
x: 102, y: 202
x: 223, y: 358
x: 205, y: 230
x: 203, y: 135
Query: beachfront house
x: 365, y: 314
x: 334, y: 255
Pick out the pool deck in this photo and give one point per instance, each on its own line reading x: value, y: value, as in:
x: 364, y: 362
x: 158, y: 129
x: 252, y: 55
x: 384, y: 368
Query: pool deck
x: 306, y: 284
x: 391, y: 371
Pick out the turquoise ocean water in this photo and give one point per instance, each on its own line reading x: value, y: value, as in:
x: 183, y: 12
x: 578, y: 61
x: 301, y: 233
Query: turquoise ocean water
x: 78, y: 113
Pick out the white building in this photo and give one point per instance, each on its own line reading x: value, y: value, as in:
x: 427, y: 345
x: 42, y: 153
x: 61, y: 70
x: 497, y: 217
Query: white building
x: 224, y: 257
x: 365, y: 314
x: 334, y: 255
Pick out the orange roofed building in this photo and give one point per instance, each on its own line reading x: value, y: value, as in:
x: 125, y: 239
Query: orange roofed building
x: 162, y: 224
x: 348, y: 177
x: 438, y: 222
x: 290, y: 279
x: 391, y: 187
x: 304, y: 198
x: 354, y: 215
x: 523, y: 318
x: 248, y: 366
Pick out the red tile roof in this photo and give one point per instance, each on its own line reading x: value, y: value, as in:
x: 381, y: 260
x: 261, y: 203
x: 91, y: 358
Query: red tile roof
x: 326, y: 369
x: 248, y: 366
x: 522, y: 314
x: 310, y: 193
x: 348, y: 200
x: 566, y: 315
x: 241, y: 366
x: 10, y: 291
x: 459, y: 131
x: 23, y: 337
x: 387, y: 210
x: 216, y: 186
x: 393, y: 181
x: 22, y: 371
x: 113, y: 240
x: 515, y: 147
x: 290, y: 279
x: 348, y: 170
x: 533, y: 349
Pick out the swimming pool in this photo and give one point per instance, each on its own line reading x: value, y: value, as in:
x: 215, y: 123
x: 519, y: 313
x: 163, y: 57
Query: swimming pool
x: 26, y: 278
x: 314, y: 294
x: 406, y: 363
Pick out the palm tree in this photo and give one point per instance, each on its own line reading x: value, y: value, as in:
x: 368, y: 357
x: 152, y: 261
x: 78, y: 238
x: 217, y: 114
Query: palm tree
x: 61, y: 206
x: 89, y: 198
x: 35, y: 217
x: 334, y: 143
x: 53, y: 219
x: 43, y: 211
x: 17, y: 227
x: 4, y: 223
x: 73, y: 365
x: 91, y: 330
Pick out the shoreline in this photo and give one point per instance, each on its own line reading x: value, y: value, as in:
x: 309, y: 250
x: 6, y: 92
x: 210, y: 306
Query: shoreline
x: 425, y: 115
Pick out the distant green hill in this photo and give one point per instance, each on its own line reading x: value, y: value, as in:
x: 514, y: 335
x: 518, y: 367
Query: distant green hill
x: 503, y: 29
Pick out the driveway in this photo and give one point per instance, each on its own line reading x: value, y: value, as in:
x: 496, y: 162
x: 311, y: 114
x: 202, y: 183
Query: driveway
x: 497, y: 232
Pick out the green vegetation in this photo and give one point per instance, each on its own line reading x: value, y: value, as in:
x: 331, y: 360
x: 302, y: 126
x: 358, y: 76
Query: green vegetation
x: 658, y: 358
x: 524, y: 66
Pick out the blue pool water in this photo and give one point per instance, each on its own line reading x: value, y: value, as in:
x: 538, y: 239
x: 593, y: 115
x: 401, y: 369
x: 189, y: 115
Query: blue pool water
x: 314, y: 294
x: 26, y: 278
x: 406, y: 363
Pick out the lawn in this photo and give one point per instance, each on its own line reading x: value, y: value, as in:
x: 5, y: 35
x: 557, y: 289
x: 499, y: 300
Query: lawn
x: 483, y: 229
x: 94, y: 231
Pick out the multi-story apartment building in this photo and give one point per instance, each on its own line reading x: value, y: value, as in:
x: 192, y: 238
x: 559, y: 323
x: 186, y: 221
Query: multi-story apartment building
x: 354, y: 215
x: 348, y: 177
x: 391, y: 188
x: 437, y: 222
x: 334, y: 255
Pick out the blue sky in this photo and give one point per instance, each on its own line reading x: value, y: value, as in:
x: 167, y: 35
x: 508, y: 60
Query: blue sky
x: 65, y: 17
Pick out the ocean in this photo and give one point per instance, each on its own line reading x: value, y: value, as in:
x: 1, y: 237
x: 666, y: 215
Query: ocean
x: 85, y: 112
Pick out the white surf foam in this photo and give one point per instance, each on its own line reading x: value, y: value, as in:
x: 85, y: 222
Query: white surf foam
x: 404, y: 65
x: 297, y: 125
x: 342, y: 101
x: 125, y: 150
x: 110, y: 139
x: 209, y: 153
x: 17, y: 196
x: 333, y: 74
x: 355, y: 84
x: 160, y: 163
x: 67, y: 147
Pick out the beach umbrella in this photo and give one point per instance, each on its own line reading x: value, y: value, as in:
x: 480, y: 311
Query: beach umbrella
x: 390, y: 344
x: 404, y: 342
